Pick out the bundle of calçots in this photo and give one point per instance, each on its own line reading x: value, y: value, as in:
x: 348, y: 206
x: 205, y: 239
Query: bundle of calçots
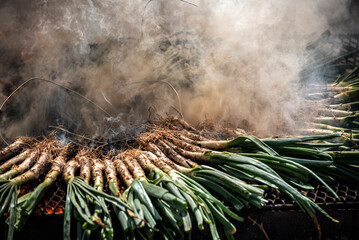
x: 331, y: 86
x: 176, y: 178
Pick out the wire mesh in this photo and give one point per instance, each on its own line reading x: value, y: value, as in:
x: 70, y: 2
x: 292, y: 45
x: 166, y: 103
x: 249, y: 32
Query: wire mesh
x: 348, y: 194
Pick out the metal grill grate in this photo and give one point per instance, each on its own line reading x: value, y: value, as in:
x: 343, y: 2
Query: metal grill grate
x: 348, y: 194
x: 54, y: 203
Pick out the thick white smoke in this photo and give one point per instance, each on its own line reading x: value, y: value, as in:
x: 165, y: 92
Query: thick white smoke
x: 234, y: 62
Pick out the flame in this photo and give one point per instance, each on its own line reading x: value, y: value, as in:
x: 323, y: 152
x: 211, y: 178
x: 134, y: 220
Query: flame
x: 22, y: 191
x: 49, y: 210
x: 122, y: 189
x: 58, y: 210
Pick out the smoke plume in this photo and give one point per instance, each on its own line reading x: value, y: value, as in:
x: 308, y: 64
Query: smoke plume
x: 231, y: 62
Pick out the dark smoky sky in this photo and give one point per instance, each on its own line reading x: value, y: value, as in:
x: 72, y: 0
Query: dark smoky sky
x: 232, y: 62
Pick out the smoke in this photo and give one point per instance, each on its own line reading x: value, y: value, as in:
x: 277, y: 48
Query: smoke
x: 232, y: 62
